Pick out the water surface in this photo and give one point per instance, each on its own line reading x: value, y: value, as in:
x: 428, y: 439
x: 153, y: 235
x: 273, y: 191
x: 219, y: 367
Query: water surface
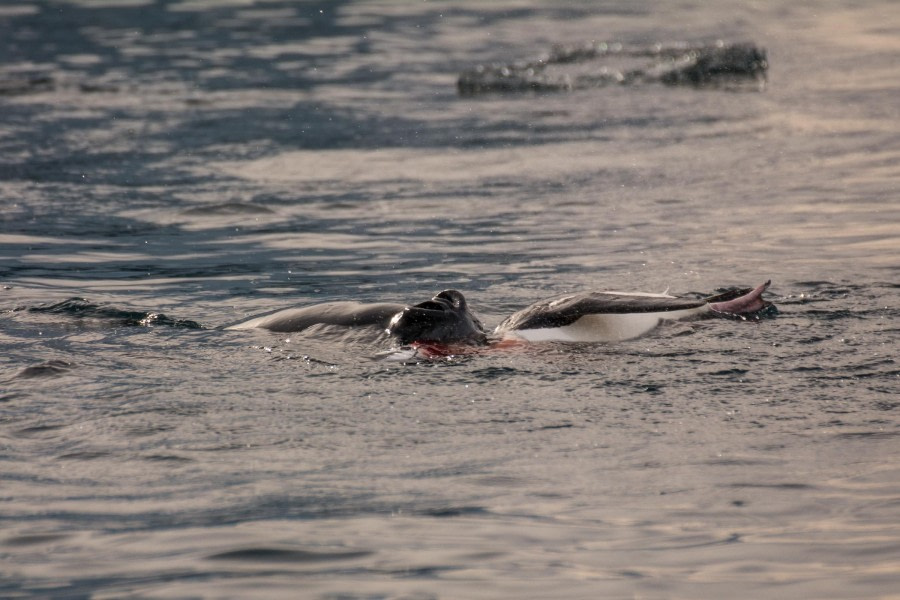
x: 171, y: 168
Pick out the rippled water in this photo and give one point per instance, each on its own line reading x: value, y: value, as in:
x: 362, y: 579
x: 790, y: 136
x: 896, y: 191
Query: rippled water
x: 174, y: 167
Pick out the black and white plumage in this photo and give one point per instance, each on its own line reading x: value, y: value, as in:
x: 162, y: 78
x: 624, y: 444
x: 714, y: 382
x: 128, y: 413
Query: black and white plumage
x: 615, y: 316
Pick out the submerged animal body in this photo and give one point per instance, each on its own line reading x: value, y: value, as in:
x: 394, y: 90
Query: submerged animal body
x: 447, y: 320
x: 344, y: 314
x: 738, y: 66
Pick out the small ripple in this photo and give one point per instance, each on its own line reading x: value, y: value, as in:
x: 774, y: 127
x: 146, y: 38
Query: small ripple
x: 34, y: 539
x: 632, y: 574
x: 171, y: 458
x: 455, y: 511
x: 490, y: 373
x: 427, y: 572
x: 734, y: 538
x: 285, y: 555
x: 556, y: 426
x: 146, y: 430
x: 868, y: 435
x: 37, y: 431
x: 84, y: 455
x: 739, y: 462
x: 501, y: 481
x: 833, y: 315
x: 727, y: 372
x: 228, y: 209
x: 773, y: 486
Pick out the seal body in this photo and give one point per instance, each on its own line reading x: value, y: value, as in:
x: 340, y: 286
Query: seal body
x: 445, y: 319
x: 345, y: 314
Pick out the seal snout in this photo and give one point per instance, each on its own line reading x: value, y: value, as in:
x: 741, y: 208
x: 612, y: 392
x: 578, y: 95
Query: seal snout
x: 446, y: 300
x: 456, y: 299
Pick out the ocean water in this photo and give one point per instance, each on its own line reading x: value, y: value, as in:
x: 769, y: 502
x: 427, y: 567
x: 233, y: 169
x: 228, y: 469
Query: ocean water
x: 170, y: 168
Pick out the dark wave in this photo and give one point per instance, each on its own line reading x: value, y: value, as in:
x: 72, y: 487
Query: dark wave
x: 272, y: 555
x: 50, y: 368
x: 80, y: 308
x: 228, y: 209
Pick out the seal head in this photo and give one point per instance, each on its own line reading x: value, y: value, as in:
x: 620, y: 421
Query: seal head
x: 444, y: 319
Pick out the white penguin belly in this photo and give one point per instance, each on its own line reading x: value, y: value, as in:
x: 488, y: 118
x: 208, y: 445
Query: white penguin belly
x: 608, y: 327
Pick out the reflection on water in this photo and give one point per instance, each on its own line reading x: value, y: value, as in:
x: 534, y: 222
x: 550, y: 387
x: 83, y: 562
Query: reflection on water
x: 171, y: 168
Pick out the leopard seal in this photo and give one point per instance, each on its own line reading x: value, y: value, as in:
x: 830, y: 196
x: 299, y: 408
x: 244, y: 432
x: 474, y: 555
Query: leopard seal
x: 445, y: 318
x: 343, y: 314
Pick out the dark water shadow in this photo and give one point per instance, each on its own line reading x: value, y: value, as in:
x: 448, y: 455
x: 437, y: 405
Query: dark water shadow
x: 286, y: 555
x: 79, y: 308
